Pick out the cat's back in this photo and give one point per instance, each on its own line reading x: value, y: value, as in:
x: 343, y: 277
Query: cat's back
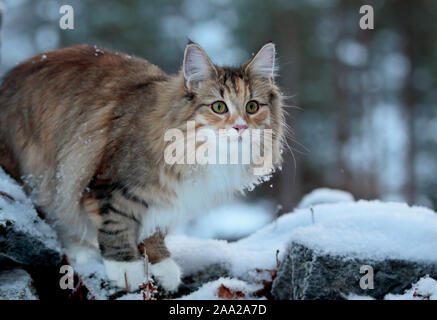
x: 76, y: 71
x: 65, y: 94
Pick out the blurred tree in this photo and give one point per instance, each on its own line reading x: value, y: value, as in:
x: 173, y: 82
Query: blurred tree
x: 1, y: 20
x: 366, y: 119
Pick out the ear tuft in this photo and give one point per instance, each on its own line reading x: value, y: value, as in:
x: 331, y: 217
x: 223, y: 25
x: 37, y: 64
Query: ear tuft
x: 196, y: 66
x: 263, y: 64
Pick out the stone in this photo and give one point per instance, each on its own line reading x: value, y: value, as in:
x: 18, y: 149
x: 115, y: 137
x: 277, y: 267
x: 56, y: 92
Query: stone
x: 24, y: 237
x: 34, y: 249
x: 305, y: 274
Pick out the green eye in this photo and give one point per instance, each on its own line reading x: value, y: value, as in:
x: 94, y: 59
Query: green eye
x: 219, y: 107
x: 252, y: 107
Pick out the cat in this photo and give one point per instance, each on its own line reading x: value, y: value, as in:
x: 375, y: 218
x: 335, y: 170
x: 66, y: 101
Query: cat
x: 82, y: 129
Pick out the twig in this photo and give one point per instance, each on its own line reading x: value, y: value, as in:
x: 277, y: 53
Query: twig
x: 312, y: 216
x: 278, y: 263
x: 126, y: 283
x: 6, y: 195
x: 148, y: 289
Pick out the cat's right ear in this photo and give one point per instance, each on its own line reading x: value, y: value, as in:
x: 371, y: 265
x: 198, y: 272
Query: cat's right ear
x: 262, y: 65
x: 197, y: 66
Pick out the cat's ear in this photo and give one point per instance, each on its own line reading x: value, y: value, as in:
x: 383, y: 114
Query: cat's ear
x: 197, y: 66
x: 262, y: 65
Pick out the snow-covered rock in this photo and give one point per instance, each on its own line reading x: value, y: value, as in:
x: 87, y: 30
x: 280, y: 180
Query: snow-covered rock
x: 326, y: 245
x: 330, y: 243
x: 366, y: 229
x: 16, y: 284
x: 307, y: 274
x: 24, y: 237
x: 322, y: 245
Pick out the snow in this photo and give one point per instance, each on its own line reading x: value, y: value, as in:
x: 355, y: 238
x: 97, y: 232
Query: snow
x: 360, y: 228
x: 325, y: 195
x: 209, y: 291
x: 345, y: 229
x: 21, y: 213
x: 93, y: 274
x: 328, y: 221
x: 16, y: 285
x: 232, y: 220
x: 353, y: 296
x: 424, y: 289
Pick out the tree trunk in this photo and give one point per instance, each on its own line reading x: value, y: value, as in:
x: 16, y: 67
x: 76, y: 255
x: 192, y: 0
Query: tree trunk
x: 410, y: 98
x: 1, y: 22
x: 341, y: 109
x: 290, y: 178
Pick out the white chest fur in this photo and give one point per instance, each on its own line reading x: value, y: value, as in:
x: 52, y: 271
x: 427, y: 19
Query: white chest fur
x: 196, y: 195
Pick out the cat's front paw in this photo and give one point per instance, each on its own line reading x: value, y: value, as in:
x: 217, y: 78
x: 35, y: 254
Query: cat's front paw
x: 167, y: 273
x: 121, y: 273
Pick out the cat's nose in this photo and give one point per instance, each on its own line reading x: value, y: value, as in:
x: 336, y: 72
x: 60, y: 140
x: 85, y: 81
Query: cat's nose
x: 240, y: 128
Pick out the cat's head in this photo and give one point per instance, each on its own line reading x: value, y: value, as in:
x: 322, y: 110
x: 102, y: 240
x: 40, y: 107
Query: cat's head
x: 238, y: 99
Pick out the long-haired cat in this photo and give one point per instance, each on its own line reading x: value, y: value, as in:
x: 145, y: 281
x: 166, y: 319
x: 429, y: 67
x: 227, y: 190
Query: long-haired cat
x: 83, y: 129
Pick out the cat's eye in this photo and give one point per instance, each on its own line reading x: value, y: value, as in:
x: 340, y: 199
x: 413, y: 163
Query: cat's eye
x: 252, y: 107
x: 219, y: 107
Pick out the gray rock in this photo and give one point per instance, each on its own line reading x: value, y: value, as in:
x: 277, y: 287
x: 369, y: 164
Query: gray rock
x: 192, y: 282
x: 307, y: 274
x: 16, y: 285
x: 24, y: 237
x: 35, y: 249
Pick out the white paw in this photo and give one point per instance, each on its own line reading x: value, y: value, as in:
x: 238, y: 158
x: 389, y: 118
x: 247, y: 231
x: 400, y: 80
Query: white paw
x: 167, y: 273
x: 80, y: 254
x: 134, y: 270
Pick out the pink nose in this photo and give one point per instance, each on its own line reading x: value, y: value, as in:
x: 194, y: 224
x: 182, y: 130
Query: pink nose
x: 240, y: 128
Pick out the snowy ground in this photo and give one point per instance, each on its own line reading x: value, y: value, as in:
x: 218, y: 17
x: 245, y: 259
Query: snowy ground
x: 328, y: 221
x: 232, y: 220
x: 352, y: 228
x: 347, y: 229
x: 324, y: 196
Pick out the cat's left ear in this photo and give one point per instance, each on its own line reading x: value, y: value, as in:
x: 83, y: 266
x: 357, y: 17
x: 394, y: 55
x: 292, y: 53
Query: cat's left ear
x: 197, y: 66
x: 262, y: 65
